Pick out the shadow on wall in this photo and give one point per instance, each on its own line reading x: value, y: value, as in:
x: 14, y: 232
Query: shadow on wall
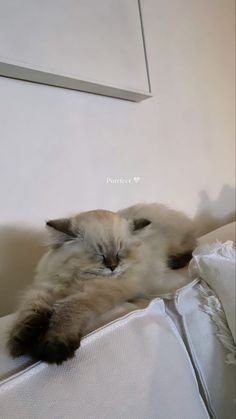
x: 209, y: 213
x: 20, y: 250
x: 22, y: 247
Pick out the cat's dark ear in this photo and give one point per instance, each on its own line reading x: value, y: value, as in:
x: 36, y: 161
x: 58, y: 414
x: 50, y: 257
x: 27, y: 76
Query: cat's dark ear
x: 139, y: 223
x: 59, y: 231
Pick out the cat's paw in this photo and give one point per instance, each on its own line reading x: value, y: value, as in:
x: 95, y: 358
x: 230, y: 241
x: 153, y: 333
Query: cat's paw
x: 56, y: 349
x: 179, y: 261
x: 27, y: 331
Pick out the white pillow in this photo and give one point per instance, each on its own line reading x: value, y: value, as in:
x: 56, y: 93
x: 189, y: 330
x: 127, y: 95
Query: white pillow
x: 215, y: 264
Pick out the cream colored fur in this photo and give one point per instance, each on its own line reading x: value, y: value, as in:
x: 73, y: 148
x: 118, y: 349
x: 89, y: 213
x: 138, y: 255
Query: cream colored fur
x: 75, y: 289
x: 171, y: 230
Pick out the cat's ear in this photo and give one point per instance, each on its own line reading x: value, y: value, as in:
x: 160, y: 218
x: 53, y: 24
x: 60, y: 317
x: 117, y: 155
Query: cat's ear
x: 139, y: 223
x: 59, y: 231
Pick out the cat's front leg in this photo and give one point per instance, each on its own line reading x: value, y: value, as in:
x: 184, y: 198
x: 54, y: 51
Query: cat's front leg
x: 71, y: 316
x: 31, y: 322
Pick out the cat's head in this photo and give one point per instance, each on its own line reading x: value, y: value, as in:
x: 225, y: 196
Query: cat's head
x: 101, y: 243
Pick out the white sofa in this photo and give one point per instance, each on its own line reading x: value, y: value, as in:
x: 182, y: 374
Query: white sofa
x: 161, y: 362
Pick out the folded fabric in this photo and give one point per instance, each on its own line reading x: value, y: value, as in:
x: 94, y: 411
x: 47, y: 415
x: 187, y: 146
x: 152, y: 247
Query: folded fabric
x: 215, y: 264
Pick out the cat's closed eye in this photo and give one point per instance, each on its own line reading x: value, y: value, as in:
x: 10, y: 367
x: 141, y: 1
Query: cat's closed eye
x: 122, y: 253
x: 99, y: 257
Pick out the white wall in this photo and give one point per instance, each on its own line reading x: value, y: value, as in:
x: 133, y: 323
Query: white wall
x: 58, y: 146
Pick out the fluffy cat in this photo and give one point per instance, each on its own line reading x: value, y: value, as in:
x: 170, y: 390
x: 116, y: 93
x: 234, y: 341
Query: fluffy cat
x: 172, y: 232
x: 101, y: 264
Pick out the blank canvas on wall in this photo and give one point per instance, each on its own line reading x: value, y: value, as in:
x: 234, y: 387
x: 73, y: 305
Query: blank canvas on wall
x: 95, y: 46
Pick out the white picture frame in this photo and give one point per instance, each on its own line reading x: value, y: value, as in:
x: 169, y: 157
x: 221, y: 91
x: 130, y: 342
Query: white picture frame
x: 94, y: 46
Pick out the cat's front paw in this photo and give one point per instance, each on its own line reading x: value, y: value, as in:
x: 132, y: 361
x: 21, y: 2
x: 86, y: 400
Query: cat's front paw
x: 56, y: 349
x: 27, y: 331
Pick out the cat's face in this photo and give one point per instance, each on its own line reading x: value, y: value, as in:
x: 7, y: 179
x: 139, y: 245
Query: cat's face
x: 102, y: 243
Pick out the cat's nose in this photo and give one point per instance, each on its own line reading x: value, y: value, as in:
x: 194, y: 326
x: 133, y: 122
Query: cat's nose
x: 111, y: 263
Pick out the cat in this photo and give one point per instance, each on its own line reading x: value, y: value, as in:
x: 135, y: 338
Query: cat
x: 171, y: 230
x: 101, y: 264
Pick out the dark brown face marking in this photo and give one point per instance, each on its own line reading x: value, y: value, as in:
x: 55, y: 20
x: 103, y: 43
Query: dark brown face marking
x: 111, y: 262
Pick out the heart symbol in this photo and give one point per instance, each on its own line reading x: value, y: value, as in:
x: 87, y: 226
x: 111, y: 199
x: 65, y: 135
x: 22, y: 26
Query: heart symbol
x: 136, y: 179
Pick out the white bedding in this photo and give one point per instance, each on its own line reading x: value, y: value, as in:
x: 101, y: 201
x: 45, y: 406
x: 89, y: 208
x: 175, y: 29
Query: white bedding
x: 215, y: 264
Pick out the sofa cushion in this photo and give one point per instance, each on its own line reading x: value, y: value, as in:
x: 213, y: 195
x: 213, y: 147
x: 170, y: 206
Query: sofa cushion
x: 135, y: 367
